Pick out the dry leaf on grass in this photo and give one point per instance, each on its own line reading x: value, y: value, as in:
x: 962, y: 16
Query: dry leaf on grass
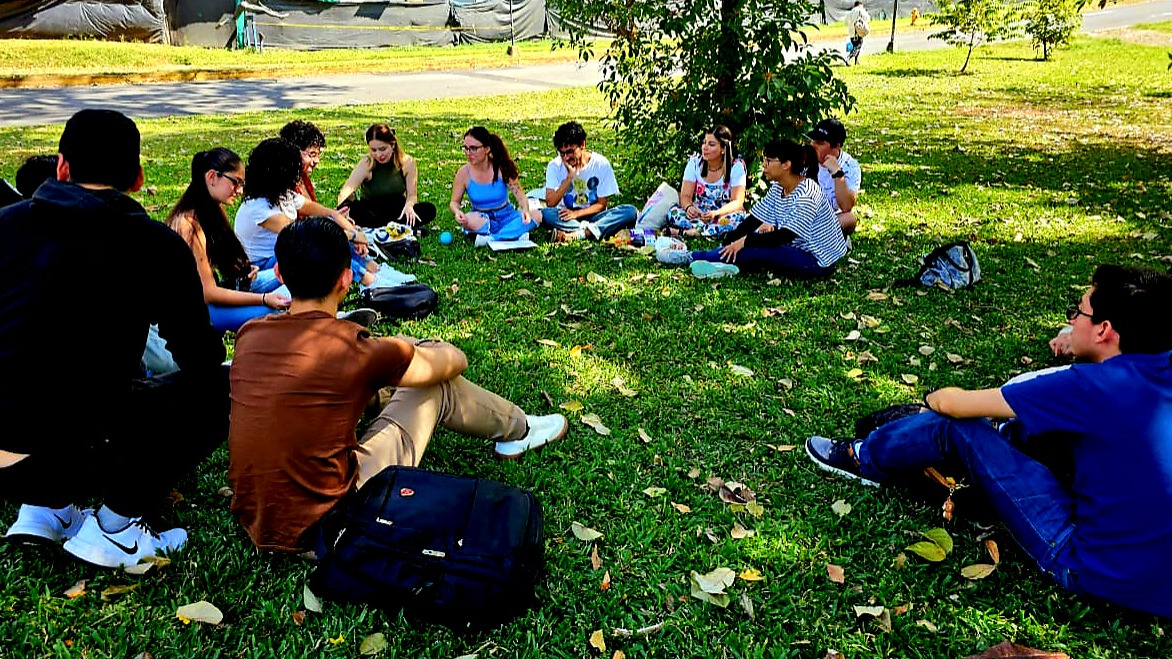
x: 595, y: 278
x: 595, y: 560
x: 994, y: 553
x: 597, y: 641
x: 854, y: 373
x: 605, y: 584
x: 977, y: 570
x: 76, y: 590
x: 619, y: 654
x: 740, y: 370
x: 1007, y: 650
x: 740, y: 533
x: 865, y: 357
x: 879, y: 613
x: 654, y: 492
x: 733, y: 492
x: 854, y: 335
x: 298, y: 618
x: 908, y: 378
x: 837, y: 575
x: 751, y: 574
x: 926, y: 625
x: 114, y: 592
x: 312, y: 602
x: 841, y: 508
x: 201, y: 611
x: 373, y: 644
x: 549, y: 343
x: 225, y: 492
x: 926, y: 350
x: 710, y: 587
x: 584, y: 533
x: 623, y: 388
x: 572, y: 406
x: 647, y: 439
x: 595, y: 422
x: 876, y: 295
x: 681, y: 508
x: 747, y: 605
x: 953, y: 358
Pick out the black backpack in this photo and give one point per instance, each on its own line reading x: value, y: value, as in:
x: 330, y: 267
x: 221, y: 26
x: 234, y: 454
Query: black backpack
x: 458, y: 551
x: 406, y: 302
x: 951, y: 266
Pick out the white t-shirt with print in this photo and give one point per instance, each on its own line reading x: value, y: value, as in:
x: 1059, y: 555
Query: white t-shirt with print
x: 259, y: 243
x: 853, y: 175
x: 594, y: 180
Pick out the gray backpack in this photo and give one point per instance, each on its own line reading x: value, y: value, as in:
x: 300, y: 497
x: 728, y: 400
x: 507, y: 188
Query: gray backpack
x: 952, y: 266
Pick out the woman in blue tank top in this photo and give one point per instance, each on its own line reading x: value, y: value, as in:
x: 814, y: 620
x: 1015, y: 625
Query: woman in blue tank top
x: 487, y: 179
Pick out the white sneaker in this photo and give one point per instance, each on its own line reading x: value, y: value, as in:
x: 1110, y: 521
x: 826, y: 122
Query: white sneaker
x: 542, y: 430
x: 592, y: 230
x: 125, y: 547
x: 40, y: 524
x: 388, y: 276
x: 672, y: 251
x: 481, y: 240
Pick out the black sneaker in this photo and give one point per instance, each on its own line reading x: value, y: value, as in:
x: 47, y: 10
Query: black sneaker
x: 836, y: 456
x: 363, y: 316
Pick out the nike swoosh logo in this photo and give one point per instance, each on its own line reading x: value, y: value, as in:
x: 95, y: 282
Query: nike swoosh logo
x: 65, y: 523
x: 129, y: 550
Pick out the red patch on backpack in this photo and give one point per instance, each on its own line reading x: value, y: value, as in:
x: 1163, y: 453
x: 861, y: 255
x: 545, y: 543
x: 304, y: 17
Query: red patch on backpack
x: 406, y: 492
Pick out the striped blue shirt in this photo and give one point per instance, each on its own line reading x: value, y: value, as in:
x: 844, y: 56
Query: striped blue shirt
x: 809, y: 216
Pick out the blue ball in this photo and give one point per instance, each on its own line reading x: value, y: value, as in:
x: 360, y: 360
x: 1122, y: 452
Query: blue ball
x: 445, y: 238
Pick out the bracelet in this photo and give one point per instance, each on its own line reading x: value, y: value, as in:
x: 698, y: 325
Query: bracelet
x: 262, y: 298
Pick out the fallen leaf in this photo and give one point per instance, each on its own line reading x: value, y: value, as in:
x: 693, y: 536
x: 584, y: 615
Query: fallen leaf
x: 837, y: 575
x: 138, y: 569
x: 595, y: 422
x: 909, y: 378
x: 782, y: 448
x: 714, y: 483
x: 619, y: 654
x: 755, y: 509
x: 940, y: 537
x: 854, y: 373
x: 876, y: 295
x: 841, y: 507
x: 201, y: 611
x: 865, y: 357
x: 524, y: 292
x: 733, y: 492
x: 751, y: 574
x: 312, y: 602
x: 681, y: 508
x: 1032, y: 263
x: 594, y: 277
x: 572, y: 406
x: 747, y: 605
x: 901, y: 609
x: 740, y: 533
x: 929, y: 551
x: 373, y: 644
x: 576, y: 351
x: 740, y: 370
x: 298, y: 618
x: 787, y: 383
x: 926, y: 350
x: 623, y: 388
x: 1007, y: 650
x: 550, y: 343
x: 225, y: 492
x: 870, y: 322
x: 605, y: 585
x: 76, y: 590
x: 584, y: 533
x: 114, y: 592
x: 647, y: 440
x: 977, y: 570
x: 869, y: 611
x: 654, y: 492
x: 926, y: 625
x: 953, y: 358
x: 337, y: 640
x: 710, y: 587
x: 994, y: 553
x: 854, y: 335
x: 597, y: 641
x: 595, y: 560
x: 900, y: 561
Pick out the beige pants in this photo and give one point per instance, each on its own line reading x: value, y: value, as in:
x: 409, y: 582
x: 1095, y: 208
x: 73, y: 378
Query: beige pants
x: 400, y: 434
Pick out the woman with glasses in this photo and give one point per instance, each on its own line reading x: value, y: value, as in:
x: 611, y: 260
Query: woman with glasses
x: 387, y: 184
x: 712, y: 194
x: 487, y: 179
x: 309, y: 139
x: 217, y: 177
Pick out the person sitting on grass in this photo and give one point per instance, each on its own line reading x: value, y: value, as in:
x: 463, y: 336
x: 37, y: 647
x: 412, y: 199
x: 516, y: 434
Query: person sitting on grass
x: 127, y: 439
x: 839, y: 174
x: 712, y: 195
x: 388, y: 183
x: 578, y: 186
x: 1096, y: 534
x: 316, y: 374
x: 308, y: 139
x: 487, y: 179
x: 271, y: 203
x: 35, y: 171
x: 792, y: 231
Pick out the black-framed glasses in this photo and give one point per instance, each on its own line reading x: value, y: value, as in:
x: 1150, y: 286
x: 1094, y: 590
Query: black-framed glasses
x: 472, y: 149
x: 766, y: 161
x: 1075, y: 310
x: 239, y: 183
x: 568, y: 152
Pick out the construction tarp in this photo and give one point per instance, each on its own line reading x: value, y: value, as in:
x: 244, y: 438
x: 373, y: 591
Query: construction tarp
x: 833, y: 11
x: 130, y: 20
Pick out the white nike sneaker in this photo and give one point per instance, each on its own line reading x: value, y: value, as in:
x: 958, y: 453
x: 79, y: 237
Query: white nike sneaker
x: 542, y: 430
x: 40, y: 524
x: 124, y: 547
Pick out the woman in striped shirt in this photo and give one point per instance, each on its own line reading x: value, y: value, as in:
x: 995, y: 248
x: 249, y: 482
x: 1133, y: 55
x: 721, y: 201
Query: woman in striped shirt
x: 792, y: 231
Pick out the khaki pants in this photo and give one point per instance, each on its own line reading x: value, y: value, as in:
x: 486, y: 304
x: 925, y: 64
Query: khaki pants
x: 400, y: 434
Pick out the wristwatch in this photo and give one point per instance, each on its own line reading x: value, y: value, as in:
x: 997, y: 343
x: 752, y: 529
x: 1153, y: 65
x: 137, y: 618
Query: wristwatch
x: 839, y: 174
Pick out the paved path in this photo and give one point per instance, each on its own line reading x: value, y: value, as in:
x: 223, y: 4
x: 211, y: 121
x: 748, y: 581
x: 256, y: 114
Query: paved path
x: 44, y: 106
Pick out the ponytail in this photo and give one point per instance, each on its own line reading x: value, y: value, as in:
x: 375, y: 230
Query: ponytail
x: 503, y: 166
x: 224, y: 251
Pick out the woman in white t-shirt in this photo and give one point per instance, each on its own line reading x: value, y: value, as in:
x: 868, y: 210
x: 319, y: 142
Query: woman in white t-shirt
x: 712, y: 195
x: 271, y: 203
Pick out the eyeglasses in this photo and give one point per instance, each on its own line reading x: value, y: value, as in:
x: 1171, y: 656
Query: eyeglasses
x: 766, y: 161
x: 1075, y: 310
x: 312, y: 154
x: 236, y: 182
x: 472, y: 149
x: 568, y: 152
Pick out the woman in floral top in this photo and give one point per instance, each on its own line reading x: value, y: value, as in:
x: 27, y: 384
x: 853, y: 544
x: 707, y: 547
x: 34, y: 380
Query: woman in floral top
x: 712, y: 196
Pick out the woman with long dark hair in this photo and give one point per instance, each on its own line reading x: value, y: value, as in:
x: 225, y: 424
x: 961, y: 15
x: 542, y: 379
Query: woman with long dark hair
x: 792, y: 231
x: 487, y: 179
x: 217, y: 176
x: 712, y: 194
x: 387, y: 183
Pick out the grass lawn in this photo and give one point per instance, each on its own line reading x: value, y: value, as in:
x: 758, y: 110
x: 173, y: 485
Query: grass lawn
x: 1166, y: 26
x: 1047, y: 168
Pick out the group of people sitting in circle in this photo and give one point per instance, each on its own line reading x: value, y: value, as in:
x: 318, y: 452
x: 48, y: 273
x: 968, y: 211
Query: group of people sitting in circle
x: 291, y: 400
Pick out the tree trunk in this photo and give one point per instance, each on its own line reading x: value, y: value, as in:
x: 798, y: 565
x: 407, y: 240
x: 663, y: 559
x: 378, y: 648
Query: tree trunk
x: 730, y: 65
x: 967, y: 57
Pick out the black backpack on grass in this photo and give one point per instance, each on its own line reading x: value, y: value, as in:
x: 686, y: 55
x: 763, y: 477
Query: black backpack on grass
x: 398, y: 303
x: 951, y: 267
x: 458, y: 551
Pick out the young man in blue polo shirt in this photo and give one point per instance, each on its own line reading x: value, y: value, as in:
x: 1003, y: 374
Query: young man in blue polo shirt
x: 1105, y: 533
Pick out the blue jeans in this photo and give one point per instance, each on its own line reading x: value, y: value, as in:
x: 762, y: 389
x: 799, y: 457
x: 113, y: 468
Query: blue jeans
x: 786, y: 259
x: 266, y: 277
x: 1035, y: 506
x: 608, y: 222
x: 503, y: 224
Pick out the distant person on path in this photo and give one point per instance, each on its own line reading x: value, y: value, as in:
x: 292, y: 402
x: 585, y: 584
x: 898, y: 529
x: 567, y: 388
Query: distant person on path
x: 387, y: 182
x: 792, y: 231
x: 316, y: 374
x: 123, y: 438
x: 487, y: 179
x: 309, y: 139
x: 578, y: 186
x: 712, y: 194
x: 1095, y: 534
x: 839, y: 174
x: 858, y: 26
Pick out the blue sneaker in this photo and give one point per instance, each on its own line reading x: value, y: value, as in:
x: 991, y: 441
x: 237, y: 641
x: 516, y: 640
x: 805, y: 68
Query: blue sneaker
x: 838, y: 457
x: 714, y: 269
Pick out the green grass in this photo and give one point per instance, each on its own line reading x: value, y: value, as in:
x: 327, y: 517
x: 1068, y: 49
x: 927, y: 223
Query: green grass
x: 21, y: 58
x: 1165, y: 26
x: 1063, y: 164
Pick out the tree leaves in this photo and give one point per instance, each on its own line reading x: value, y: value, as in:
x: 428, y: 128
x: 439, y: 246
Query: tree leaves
x: 940, y: 537
x: 710, y: 587
x: 373, y: 644
x: 977, y: 570
x: 584, y: 533
x: 1007, y: 650
x: 595, y: 422
x: 201, y: 611
x: 309, y: 600
x: 929, y: 551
